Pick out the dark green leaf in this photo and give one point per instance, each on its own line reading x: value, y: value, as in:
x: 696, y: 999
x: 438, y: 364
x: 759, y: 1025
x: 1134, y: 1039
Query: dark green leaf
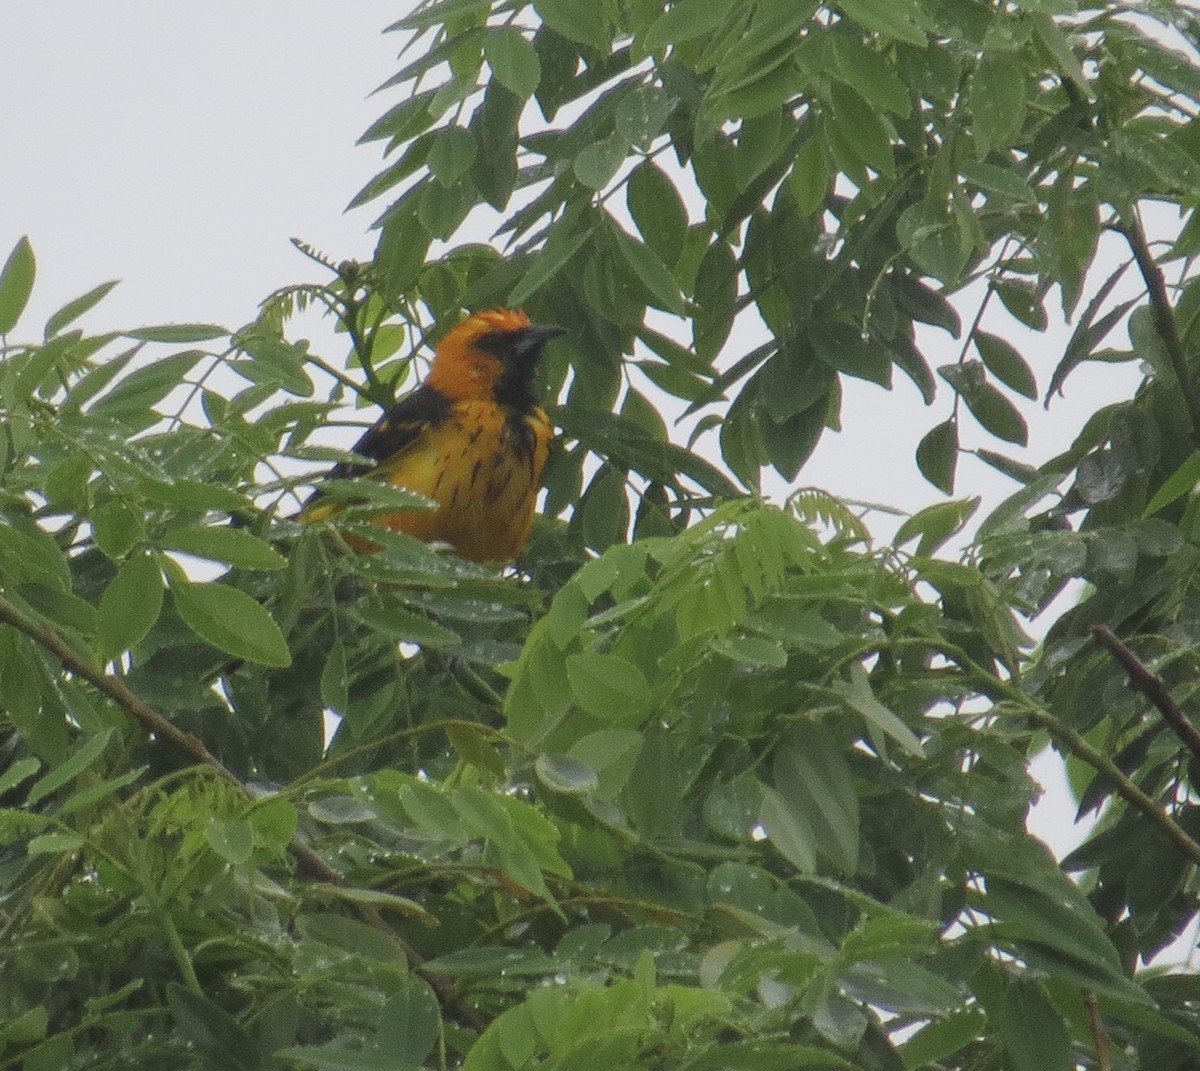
x: 1179, y: 483
x: 412, y: 628
x: 1031, y: 1029
x: 812, y: 775
x: 1006, y: 363
x: 997, y: 101
x: 658, y: 211
x: 937, y: 456
x: 68, y: 769
x: 809, y: 177
x: 652, y: 272
x: 130, y: 606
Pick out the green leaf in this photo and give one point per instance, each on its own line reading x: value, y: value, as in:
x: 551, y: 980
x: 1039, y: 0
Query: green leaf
x: 1024, y: 302
x: 684, y: 21
x: 53, y: 844
x: 1031, y: 1029
x: 233, y: 546
x: 870, y: 74
x: 405, y: 625
x: 18, y: 772
x: 1181, y: 482
x: 858, y: 696
x: 658, y: 211
x: 605, y: 509
x: 987, y: 404
x: 863, y: 129
x: 935, y: 524
x: 335, y: 684
x: 554, y: 256
x: 788, y: 831
x: 810, y: 174
x: 72, y: 310
x: 145, y: 388
x: 410, y: 1022
x: 937, y: 456
x: 1059, y: 47
x: 751, y: 651
x: 583, y: 23
x: 513, y: 60
x: 129, y: 606
x: 16, y: 284
x: 652, y: 272
x: 641, y: 114
x: 178, y: 333
x: 232, y: 841
x: 599, y: 161
x: 212, y: 1030
x: 1006, y: 363
x: 230, y: 620
x: 812, y: 775
x: 997, y: 101
x: 452, y: 154
x: 942, y: 1038
x: 608, y: 687
x: 70, y: 768
x: 901, y: 19
x: 999, y: 180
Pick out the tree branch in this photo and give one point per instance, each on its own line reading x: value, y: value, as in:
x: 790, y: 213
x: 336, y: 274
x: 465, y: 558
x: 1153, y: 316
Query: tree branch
x: 1072, y: 741
x: 156, y: 726
x: 1164, y: 318
x: 1152, y: 686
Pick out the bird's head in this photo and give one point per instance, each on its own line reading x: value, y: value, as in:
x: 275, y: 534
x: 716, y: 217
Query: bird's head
x: 491, y: 355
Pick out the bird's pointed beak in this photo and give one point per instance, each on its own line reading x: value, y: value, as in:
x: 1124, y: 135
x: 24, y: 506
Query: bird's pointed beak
x: 535, y: 336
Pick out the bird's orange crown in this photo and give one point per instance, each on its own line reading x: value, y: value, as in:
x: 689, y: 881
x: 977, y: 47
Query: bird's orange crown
x: 461, y: 369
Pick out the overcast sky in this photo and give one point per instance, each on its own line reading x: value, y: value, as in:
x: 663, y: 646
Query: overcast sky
x: 179, y: 148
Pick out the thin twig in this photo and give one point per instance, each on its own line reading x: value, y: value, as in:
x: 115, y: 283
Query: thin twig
x: 1099, y: 1034
x: 1066, y: 737
x: 113, y: 687
x: 1152, y: 686
x: 1164, y: 319
x: 308, y: 861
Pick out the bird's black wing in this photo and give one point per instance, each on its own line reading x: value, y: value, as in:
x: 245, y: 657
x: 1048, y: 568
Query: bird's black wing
x: 400, y: 426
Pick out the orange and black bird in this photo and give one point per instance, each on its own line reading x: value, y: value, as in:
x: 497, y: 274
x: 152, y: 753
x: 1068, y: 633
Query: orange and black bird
x: 472, y: 437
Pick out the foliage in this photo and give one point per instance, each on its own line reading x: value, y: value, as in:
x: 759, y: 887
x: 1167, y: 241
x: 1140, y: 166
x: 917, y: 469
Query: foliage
x: 707, y: 782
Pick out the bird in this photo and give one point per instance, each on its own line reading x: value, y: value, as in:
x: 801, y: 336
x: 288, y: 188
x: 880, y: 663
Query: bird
x: 471, y: 437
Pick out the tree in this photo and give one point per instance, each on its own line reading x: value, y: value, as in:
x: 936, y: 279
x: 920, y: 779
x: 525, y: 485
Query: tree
x: 706, y: 782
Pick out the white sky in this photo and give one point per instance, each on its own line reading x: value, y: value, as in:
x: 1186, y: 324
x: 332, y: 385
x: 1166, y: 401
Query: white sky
x: 179, y: 148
